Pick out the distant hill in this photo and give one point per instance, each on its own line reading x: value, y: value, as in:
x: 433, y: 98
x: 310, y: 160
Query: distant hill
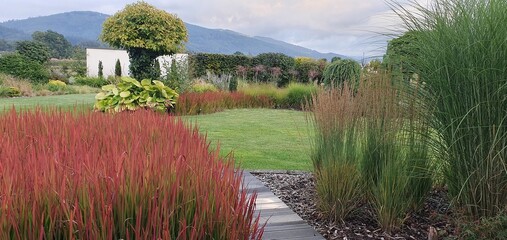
x: 85, y: 26
x: 10, y: 34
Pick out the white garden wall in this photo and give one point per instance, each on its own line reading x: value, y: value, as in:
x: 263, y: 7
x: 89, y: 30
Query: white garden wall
x: 109, y: 57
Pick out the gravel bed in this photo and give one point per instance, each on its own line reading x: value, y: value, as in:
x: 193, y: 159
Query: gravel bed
x: 297, y: 190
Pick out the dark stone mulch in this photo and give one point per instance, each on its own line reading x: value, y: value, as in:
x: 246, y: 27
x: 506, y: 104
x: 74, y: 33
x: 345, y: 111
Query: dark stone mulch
x: 297, y: 190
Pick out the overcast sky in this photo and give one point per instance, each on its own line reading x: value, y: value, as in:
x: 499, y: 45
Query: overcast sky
x: 349, y: 27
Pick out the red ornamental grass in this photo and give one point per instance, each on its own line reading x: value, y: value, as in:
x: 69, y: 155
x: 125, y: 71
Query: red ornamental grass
x: 210, y: 102
x: 134, y: 175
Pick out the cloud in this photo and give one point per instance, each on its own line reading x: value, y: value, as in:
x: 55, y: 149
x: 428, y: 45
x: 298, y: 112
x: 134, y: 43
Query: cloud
x: 340, y: 26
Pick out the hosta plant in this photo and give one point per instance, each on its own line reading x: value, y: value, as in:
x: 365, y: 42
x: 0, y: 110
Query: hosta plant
x: 130, y: 94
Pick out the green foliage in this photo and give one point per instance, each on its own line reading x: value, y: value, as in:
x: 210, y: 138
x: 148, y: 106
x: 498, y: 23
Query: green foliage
x: 485, y: 228
x: 338, y: 72
x: 233, y: 84
x: 377, y: 134
x: 307, y: 69
x: 277, y: 65
x: 5, y: 46
x: 146, y: 33
x: 101, y: 70
x: 56, y: 86
x: 462, y: 59
x: 58, y: 46
x: 400, y: 55
x: 9, y: 91
x: 201, y: 87
x: 117, y: 68
x: 298, y: 94
x: 177, y: 76
x: 66, y: 69
x: 22, y: 67
x: 35, y: 51
x: 201, y: 63
x: 334, y: 59
x: 130, y: 94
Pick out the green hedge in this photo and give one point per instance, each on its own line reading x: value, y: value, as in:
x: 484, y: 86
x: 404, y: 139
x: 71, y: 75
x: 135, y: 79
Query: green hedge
x: 22, y: 67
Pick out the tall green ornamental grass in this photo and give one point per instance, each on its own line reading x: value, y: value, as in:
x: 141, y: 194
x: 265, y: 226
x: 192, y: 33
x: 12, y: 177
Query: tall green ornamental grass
x: 395, y: 156
x: 462, y: 60
x: 336, y: 153
x: 370, y: 147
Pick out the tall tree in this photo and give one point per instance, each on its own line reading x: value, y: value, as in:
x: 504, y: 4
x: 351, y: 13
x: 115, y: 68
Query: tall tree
x: 59, y: 47
x: 146, y: 33
x: 35, y: 51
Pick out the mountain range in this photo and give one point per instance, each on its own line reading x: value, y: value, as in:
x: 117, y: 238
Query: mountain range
x: 85, y: 27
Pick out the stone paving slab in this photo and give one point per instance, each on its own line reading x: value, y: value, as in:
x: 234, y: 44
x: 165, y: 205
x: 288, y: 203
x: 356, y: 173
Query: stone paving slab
x: 282, y: 222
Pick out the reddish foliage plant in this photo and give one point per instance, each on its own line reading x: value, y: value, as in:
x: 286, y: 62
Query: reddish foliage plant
x: 133, y: 175
x: 210, y: 102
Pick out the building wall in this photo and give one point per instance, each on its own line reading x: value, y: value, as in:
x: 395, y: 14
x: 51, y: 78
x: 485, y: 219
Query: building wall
x: 109, y: 57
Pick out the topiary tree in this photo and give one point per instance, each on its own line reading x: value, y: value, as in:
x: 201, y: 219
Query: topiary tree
x: 101, y: 70
x: 337, y: 72
x: 117, y: 68
x: 146, y: 33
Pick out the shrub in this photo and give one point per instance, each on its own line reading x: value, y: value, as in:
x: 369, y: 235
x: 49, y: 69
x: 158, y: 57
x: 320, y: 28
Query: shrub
x: 177, y: 76
x: 201, y: 87
x: 56, y: 85
x: 22, y: 67
x: 221, y: 81
x: 34, y: 51
x: 24, y: 86
x: 9, y: 92
x: 485, y: 228
x: 130, y: 94
x: 307, y: 70
x: 133, y: 175
x: 101, y: 70
x: 117, y: 68
x: 298, y: 94
x: 337, y: 72
x: 233, y: 84
x: 90, y: 81
x: 271, y: 61
x: 462, y: 56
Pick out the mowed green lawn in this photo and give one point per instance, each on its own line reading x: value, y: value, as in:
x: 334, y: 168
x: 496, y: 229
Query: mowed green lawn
x: 259, y: 138
x: 63, y: 101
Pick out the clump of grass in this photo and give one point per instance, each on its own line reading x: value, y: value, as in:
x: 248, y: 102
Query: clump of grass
x: 298, y: 94
x: 211, y: 102
x: 264, y: 89
x: 74, y: 176
x: 462, y: 59
x: 24, y: 86
x: 336, y: 153
x: 370, y: 146
x: 294, y: 96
